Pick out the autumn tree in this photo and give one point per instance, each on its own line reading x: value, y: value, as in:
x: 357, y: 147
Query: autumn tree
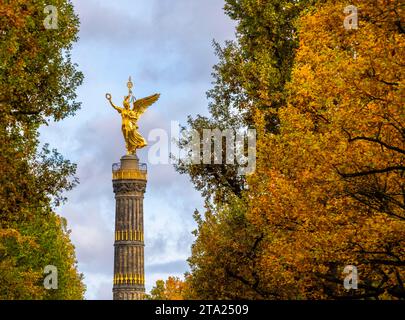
x: 331, y: 191
x: 328, y: 190
x: 251, y: 75
x: 37, y: 84
x: 172, y: 289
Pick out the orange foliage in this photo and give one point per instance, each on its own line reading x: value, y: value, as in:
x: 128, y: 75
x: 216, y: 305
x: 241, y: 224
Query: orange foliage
x: 171, y: 289
x: 329, y: 188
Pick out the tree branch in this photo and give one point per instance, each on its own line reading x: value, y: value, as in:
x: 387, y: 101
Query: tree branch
x: 379, y: 142
x: 365, y: 173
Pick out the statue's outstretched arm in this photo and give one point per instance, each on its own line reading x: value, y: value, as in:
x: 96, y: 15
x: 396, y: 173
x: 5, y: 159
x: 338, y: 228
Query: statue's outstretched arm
x: 108, y: 96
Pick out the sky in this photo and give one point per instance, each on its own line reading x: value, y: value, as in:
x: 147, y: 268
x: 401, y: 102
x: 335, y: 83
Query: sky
x: 166, y: 46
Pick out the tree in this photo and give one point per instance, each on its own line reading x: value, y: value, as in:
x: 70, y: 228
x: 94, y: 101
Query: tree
x: 250, y: 76
x: 331, y: 191
x: 171, y: 289
x: 37, y: 84
x: 26, y: 252
x: 224, y: 256
x: 328, y: 189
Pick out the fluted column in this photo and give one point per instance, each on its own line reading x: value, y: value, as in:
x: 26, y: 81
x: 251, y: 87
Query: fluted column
x: 129, y: 183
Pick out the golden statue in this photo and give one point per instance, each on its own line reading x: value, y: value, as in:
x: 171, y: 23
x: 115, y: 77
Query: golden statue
x: 133, y: 138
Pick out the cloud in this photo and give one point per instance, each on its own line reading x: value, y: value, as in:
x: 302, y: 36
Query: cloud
x: 99, y: 286
x: 161, y: 34
x: 169, y: 267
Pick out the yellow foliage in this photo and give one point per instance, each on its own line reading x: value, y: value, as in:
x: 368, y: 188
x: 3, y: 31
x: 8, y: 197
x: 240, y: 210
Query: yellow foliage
x: 329, y: 187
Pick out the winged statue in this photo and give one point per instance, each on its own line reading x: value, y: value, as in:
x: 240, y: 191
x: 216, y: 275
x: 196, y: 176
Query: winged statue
x: 130, y: 117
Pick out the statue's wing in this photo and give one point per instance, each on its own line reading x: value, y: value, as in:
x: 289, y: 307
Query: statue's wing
x: 140, y: 105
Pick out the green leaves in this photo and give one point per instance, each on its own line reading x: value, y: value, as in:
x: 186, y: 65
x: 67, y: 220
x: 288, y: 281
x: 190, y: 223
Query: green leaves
x: 37, y: 83
x: 37, y: 78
